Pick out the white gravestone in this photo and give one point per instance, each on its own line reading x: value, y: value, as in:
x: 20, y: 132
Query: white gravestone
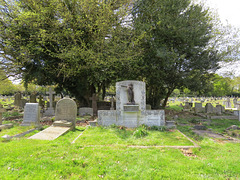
x: 31, y: 115
x: 66, y: 110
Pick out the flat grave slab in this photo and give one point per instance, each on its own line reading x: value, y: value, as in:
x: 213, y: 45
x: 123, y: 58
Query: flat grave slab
x: 50, y: 133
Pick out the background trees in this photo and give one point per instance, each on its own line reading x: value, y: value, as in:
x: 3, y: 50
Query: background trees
x: 84, y: 46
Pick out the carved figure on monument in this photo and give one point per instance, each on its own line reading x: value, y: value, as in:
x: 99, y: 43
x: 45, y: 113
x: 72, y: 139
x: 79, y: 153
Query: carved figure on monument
x: 130, y: 94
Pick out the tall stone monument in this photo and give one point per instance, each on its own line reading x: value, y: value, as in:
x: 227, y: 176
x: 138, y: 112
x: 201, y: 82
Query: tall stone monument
x: 131, y: 108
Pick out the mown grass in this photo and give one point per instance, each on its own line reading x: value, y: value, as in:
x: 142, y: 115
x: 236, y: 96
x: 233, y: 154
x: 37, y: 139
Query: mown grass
x: 59, y: 159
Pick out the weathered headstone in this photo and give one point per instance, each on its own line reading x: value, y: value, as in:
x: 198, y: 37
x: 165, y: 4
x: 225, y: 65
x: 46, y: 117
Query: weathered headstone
x: 31, y: 115
x: 198, y: 108
x: 66, y: 113
x: 17, y: 99
x: 208, y: 108
x: 1, y: 111
x: 33, y: 98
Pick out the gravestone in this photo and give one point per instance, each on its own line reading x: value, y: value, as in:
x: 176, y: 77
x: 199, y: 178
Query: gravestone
x: 23, y: 103
x: 66, y: 113
x: 17, y: 99
x: 198, y: 108
x: 33, y: 98
x: 1, y: 111
x: 31, y: 115
x: 208, y: 108
x: 83, y: 111
x: 131, y: 108
x: 50, y: 110
x: 218, y: 109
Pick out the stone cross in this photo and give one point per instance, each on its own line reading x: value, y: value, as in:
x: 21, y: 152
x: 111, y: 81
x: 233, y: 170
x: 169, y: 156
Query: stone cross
x: 50, y: 97
x: 1, y: 111
x: 112, y: 103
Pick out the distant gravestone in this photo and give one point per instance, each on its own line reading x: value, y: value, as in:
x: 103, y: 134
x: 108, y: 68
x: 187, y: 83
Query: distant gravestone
x: 1, y: 111
x: 33, y: 98
x: 85, y: 111
x: 17, y: 99
x: 208, y: 108
x: 198, y: 108
x: 23, y: 103
x: 218, y: 109
x: 66, y: 111
x: 31, y: 115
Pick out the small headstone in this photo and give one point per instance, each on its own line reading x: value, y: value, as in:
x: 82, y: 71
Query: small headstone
x: 1, y: 111
x: 17, y: 99
x: 33, y: 98
x: 209, y: 108
x: 66, y: 110
x: 31, y: 115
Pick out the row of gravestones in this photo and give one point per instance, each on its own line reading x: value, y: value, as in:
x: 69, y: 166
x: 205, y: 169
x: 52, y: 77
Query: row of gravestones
x: 219, y: 109
x: 66, y: 110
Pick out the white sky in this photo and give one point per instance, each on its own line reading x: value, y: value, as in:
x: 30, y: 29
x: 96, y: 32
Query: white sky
x: 228, y: 10
x: 229, y: 13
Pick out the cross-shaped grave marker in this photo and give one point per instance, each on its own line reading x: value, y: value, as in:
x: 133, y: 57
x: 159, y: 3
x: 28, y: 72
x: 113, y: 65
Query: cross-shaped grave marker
x: 94, y: 104
x: 50, y: 110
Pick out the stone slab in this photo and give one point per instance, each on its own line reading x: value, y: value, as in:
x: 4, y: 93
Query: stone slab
x: 50, y: 133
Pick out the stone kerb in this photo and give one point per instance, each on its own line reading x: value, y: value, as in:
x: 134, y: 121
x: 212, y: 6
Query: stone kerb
x: 66, y: 109
x: 139, y: 94
x: 31, y: 115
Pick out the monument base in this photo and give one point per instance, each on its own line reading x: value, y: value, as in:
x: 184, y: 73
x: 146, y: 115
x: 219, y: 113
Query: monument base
x: 131, y: 119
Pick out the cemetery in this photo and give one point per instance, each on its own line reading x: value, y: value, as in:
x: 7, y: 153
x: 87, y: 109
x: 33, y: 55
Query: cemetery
x: 118, y: 90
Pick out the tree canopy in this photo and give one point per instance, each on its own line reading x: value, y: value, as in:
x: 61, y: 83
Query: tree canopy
x: 83, y: 46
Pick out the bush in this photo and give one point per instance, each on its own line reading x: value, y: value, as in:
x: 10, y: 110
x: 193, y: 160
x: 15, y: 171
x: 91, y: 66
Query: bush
x: 140, y: 132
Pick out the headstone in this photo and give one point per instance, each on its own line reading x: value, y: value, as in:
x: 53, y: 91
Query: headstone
x: 1, y: 111
x: 33, y: 98
x: 17, y: 99
x: 83, y: 111
x: 218, y: 109
x: 198, y: 108
x: 31, y: 115
x: 23, y: 103
x: 66, y: 113
x: 208, y: 108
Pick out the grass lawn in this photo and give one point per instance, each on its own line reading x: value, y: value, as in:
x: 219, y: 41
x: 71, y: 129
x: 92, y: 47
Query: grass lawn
x: 59, y: 159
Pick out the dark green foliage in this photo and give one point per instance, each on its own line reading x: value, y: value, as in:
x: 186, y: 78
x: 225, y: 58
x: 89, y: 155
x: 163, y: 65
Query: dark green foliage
x: 176, y: 36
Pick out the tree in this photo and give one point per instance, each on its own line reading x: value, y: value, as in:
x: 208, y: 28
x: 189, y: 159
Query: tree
x: 80, y: 46
x: 176, y: 46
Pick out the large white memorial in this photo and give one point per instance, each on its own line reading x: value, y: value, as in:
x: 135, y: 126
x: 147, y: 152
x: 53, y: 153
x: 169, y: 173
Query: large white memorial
x: 131, y: 108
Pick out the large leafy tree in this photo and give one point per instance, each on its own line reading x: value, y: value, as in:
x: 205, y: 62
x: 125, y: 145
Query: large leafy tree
x: 177, y: 50
x: 79, y: 45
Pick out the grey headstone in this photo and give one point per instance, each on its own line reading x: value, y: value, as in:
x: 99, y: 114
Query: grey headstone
x: 66, y: 109
x: 31, y: 115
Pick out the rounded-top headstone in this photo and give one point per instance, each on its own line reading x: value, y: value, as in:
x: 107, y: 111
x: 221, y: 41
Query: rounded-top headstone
x: 66, y: 109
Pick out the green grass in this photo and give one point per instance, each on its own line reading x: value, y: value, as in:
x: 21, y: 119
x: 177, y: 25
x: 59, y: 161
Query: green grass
x: 121, y: 137
x: 59, y: 159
